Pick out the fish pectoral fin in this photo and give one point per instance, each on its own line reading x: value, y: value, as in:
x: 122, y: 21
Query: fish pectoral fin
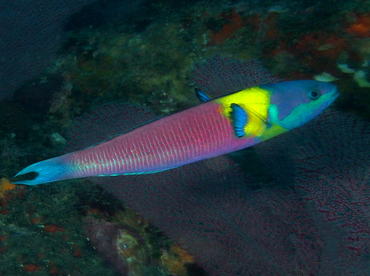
x: 239, y: 119
x: 203, y: 97
x: 247, y: 123
x: 259, y: 117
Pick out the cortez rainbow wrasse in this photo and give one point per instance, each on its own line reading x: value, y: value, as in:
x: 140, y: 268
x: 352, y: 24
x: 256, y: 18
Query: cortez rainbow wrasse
x: 215, y: 127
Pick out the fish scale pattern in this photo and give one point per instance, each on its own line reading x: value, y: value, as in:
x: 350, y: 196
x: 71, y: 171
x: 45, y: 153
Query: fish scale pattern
x: 144, y: 150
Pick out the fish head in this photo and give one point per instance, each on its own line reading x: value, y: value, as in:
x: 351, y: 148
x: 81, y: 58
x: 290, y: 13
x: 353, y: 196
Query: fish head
x: 294, y: 103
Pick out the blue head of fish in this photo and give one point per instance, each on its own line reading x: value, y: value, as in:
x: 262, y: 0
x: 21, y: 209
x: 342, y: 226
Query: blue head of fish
x: 295, y: 103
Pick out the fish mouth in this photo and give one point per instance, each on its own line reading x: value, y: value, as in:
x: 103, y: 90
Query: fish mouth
x: 335, y: 95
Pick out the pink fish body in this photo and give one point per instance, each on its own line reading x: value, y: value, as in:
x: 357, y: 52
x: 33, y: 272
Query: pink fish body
x: 194, y: 134
x: 204, y: 131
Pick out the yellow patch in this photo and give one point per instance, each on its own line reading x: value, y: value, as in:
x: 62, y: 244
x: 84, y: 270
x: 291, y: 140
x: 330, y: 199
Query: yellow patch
x: 272, y: 131
x: 255, y: 101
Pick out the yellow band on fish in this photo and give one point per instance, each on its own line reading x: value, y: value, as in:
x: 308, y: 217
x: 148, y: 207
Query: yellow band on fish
x: 255, y: 101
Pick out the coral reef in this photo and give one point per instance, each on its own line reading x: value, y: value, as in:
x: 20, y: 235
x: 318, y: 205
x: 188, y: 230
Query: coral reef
x: 118, y: 246
x: 126, y: 243
x: 41, y: 233
x: 5, y: 185
x: 299, y: 212
x: 361, y: 26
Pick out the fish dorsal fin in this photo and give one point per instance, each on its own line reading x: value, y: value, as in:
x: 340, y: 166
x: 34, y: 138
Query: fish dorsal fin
x: 203, y: 97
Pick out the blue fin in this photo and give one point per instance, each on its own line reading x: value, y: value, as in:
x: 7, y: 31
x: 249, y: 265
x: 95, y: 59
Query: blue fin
x: 203, y: 97
x: 239, y: 118
x: 47, y: 171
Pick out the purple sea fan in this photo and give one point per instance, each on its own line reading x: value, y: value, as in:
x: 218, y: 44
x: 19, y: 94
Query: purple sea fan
x: 338, y: 181
x: 210, y: 210
x: 208, y: 207
x: 327, y: 162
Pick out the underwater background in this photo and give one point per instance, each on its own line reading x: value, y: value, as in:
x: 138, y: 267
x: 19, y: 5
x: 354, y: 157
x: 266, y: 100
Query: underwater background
x: 297, y: 204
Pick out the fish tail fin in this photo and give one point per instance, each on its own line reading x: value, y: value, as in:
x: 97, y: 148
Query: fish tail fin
x: 49, y: 170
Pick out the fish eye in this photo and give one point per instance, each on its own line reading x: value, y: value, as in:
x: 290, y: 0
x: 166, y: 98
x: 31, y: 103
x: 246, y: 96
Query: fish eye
x: 314, y: 94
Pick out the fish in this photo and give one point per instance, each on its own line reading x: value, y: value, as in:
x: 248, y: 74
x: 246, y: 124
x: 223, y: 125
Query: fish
x: 215, y: 127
